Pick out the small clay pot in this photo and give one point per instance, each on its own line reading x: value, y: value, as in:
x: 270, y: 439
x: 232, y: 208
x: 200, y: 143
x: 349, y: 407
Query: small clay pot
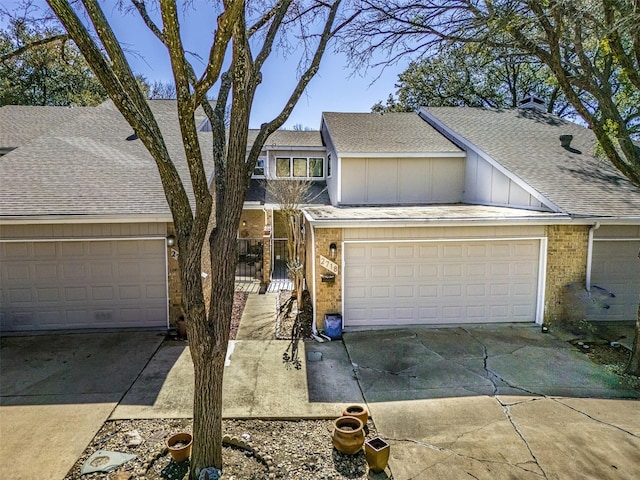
x: 348, y: 435
x: 358, y: 411
x: 181, y: 452
x: 376, y: 451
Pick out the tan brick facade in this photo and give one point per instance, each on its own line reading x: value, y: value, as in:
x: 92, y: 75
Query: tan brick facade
x: 251, y: 224
x: 266, y: 246
x: 566, y: 263
x: 328, y: 295
x: 175, y: 289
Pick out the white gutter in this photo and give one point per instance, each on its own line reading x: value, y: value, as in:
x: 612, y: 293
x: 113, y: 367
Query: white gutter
x: 551, y: 219
x: 595, y: 227
x: 66, y: 219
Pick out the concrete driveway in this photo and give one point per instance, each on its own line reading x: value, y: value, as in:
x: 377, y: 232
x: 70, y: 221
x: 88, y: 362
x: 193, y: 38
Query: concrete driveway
x: 56, y: 391
x: 494, y: 402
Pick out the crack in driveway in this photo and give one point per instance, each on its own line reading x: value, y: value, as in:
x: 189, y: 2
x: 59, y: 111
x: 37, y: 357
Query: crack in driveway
x: 453, y: 453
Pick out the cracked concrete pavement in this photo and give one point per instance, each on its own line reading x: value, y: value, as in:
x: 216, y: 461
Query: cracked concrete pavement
x: 494, y: 402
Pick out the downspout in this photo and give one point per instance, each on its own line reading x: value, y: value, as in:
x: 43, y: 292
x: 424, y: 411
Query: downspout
x: 595, y: 227
x: 314, y: 328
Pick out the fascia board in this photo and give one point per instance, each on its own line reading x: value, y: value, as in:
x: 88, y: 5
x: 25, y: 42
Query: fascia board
x: 76, y: 219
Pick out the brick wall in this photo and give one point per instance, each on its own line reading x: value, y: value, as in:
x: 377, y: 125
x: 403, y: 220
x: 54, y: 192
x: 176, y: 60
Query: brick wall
x: 251, y: 224
x: 566, y: 263
x: 328, y: 295
x: 266, y: 247
x: 175, y: 290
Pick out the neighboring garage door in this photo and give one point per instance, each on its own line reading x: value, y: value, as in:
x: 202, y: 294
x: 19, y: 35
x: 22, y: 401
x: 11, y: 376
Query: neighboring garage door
x: 616, y: 268
x: 83, y: 284
x: 440, y: 282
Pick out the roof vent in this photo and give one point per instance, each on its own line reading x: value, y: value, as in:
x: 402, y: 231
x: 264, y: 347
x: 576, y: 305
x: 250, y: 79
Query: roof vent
x: 533, y: 102
x: 565, y: 141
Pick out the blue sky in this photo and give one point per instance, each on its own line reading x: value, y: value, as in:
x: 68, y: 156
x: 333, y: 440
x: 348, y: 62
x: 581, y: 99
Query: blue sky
x: 335, y: 88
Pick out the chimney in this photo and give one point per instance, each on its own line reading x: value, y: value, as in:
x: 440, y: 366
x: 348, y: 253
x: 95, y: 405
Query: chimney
x: 565, y: 141
x: 532, y: 102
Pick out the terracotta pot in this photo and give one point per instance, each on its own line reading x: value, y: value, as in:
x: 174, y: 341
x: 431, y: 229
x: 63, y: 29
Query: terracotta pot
x: 181, y: 324
x: 180, y: 452
x: 348, y: 435
x: 376, y: 451
x: 358, y: 411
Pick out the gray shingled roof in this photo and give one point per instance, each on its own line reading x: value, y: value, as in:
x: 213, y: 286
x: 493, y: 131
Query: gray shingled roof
x: 526, y: 142
x: 20, y: 124
x: 401, y: 133
x: 84, y: 165
x: 289, y: 138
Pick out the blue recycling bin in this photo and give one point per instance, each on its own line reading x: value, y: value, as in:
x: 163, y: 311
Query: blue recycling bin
x: 333, y: 326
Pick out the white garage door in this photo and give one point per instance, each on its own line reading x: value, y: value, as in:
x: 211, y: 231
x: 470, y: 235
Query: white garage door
x: 83, y: 284
x: 440, y: 282
x: 616, y: 268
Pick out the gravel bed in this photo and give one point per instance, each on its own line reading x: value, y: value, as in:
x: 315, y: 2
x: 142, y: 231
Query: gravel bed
x: 295, y: 450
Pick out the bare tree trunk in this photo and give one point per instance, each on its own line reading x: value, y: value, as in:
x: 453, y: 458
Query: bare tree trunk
x: 633, y: 366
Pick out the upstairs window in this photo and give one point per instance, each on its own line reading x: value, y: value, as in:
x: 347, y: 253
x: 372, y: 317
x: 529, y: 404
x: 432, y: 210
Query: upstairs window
x: 300, y: 167
x: 283, y: 167
x: 258, y: 171
x: 316, y: 167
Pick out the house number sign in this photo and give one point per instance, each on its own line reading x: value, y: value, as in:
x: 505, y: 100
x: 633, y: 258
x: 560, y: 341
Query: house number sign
x: 328, y: 264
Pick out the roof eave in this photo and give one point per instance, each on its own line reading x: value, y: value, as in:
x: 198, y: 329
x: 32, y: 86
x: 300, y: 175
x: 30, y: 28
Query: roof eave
x: 76, y: 219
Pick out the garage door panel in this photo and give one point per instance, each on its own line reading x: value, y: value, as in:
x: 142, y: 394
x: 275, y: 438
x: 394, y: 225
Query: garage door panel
x: 500, y: 269
x: 447, y: 282
x: 449, y: 251
x: 44, y: 249
x: 476, y: 290
x: 16, y: 272
x: 101, y: 272
x: 75, y: 294
x: 428, y: 291
x: 83, y: 284
x: 45, y: 272
x: 47, y: 295
x: 476, y: 269
x: 428, y: 270
x: 73, y: 271
x: 72, y: 249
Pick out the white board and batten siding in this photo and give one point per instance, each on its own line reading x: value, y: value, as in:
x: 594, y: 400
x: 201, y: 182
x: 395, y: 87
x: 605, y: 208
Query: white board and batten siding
x: 404, y: 281
x: 616, y: 268
x: 486, y: 185
x: 55, y: 277
x: 396, y: 181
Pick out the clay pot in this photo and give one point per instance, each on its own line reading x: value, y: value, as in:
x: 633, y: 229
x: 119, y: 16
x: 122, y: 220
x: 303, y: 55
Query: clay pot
x: 181, y: 325
x: 376, y: 451
x: 180, y: 452
x: 358, y: 411
x: 348, y: 435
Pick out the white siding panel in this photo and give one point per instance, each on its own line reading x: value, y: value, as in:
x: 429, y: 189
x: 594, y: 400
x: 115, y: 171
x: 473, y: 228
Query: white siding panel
x: 440, y: 282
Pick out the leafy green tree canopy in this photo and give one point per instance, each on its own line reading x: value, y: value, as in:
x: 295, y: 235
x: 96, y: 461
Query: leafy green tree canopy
x: 39, y: 65
x: 474, y: 76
